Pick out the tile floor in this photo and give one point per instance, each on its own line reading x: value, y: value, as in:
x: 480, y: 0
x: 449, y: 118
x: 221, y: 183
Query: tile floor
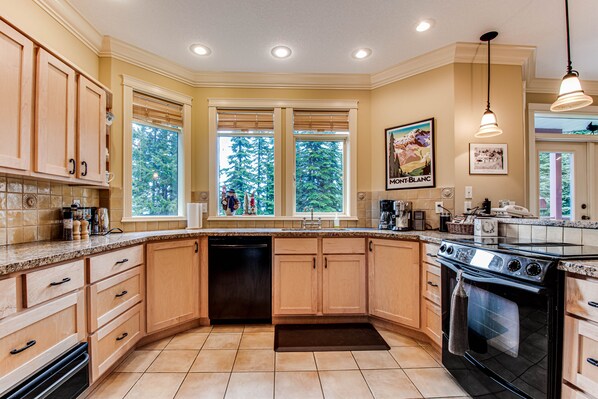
x: 238, y: 362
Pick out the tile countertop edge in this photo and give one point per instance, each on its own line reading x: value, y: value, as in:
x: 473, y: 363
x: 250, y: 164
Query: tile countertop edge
x: 23, y: 257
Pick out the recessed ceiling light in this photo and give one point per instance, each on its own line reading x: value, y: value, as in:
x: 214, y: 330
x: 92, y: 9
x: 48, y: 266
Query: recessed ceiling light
x: 424, y: 25
x: 281, y: 52
x: 361, y: 53
x: 200, y: 49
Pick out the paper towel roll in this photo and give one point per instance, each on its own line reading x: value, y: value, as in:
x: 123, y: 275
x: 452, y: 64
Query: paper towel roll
x: 194, y: 215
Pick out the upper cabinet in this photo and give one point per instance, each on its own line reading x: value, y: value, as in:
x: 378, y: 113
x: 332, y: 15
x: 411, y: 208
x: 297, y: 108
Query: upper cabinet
x: 55, y: 117
x: 16, y: 85
x: 69, y: 139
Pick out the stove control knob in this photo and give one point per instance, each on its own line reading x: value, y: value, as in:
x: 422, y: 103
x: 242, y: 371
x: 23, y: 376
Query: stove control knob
x: 514, y: 266
x: 450, y: 250
x: 533, y: 269
x: 442, y: 248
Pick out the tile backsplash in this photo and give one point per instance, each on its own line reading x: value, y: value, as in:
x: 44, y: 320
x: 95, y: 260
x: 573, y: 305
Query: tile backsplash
x: 30, y: 209
x: 572, y: 235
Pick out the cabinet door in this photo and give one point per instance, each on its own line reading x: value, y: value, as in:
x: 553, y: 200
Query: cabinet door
x: 344, y: 284
x: 172, y: 283
x: 394, y: 281
x: 91, y: 131
x: 295, y: 285
x: 54, y: 117
x: 16, y: 96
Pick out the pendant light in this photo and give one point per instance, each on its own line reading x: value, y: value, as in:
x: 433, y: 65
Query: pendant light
x: 489, y: 125
x: 571, y: 96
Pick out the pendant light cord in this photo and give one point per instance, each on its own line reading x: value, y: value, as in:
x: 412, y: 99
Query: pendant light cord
x: 569, y: 67
x: 488, y: 100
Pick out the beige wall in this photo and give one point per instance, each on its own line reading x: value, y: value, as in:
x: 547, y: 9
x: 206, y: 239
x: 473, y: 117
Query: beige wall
x: 27, y: 16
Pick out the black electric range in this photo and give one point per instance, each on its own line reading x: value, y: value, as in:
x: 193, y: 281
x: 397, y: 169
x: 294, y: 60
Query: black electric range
x: 515, y: 314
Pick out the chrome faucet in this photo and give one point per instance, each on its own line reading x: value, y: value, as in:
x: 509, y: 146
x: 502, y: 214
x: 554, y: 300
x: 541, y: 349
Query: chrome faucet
x: 311, y: 224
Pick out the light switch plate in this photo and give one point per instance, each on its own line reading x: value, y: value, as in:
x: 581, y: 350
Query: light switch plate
x: 468, y: 192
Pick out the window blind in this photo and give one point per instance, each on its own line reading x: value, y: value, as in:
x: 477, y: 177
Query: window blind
x: 321, y: 121
x: 157, y: 111
x: 245, y: 120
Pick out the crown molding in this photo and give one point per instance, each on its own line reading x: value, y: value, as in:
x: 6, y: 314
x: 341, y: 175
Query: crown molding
x: 67, y: 16
x: 267, y: 103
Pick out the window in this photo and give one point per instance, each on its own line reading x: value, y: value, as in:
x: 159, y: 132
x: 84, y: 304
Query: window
x: 156, y: 171
x: 320, y: 158
x: 246, y: 159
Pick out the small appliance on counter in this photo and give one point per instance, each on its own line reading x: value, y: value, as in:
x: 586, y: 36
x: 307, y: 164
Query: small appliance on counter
x: 387, y: 215
x: 419, y: 220
x: 402, y: 214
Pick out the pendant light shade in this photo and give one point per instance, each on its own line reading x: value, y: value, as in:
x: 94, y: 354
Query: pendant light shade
x: 571, y: 96
x: 489, y: 125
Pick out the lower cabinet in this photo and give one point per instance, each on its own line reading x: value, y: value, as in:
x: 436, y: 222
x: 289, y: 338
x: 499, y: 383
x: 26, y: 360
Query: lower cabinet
x: 580, y: 354
x: 172, y: 290
x: 344, y: 284
x: 431, y: 321
x: 295, y: 285
x: 394, y: 289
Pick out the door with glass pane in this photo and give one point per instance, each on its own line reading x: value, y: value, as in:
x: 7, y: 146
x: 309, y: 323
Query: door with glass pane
x: 562, y: 180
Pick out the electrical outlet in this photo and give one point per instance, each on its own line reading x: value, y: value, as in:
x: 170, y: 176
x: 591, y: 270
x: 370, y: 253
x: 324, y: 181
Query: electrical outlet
x: 438, y: 206
x: 468, y: 192
x: 204, y: 207
x: 466, y: 206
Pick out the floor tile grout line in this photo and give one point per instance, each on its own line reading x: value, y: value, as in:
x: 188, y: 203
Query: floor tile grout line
x: 188, y: 370
x: 318, y: 374
x: 230, y: 374
x: 363, y: 376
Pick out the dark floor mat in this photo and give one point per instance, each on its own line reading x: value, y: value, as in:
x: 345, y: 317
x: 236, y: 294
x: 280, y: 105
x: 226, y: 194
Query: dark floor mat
x: 327, y: 337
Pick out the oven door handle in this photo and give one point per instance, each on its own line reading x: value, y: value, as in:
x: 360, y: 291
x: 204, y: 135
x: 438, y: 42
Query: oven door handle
x: 493, y: 280
x: 83, y: 363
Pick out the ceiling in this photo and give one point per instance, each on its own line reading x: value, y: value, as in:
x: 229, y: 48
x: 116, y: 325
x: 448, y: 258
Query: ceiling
x: 323, y: 33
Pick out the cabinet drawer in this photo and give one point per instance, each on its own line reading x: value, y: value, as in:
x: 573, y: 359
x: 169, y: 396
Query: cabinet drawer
x: 111, y: 297
x: 343, y: 245
x: 109, y: 264
x: 114, y: 340
x: 432, y: 322
x: 429, y: 252
x: 570, y: 393
x: 431, y: 283
x: 50, y: 283
x: 582, y: 298
x: 32, y: 338
x: 580, y: 354
x: 292, y: 246
x: 8, y: 296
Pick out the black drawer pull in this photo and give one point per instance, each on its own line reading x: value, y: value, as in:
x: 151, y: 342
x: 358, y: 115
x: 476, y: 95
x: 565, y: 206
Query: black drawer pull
x: 592, y: 361
x: 64, y: 280
x: 27, y: 346
x: 325, y: 263
x: 84, y: 164
x: 314, y: 263
x: 196, y: 247
x: 593, y: 304
x: 120, y: 262
x: 74, y: 164
x: 431, y: 255
x: 122, y: 294
x: 431, y: 284
x: 123, y: 336
x: 370, y: 246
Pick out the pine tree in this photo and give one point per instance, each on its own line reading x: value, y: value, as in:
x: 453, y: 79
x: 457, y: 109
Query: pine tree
x: 263, y: 166
x: 239, y: 176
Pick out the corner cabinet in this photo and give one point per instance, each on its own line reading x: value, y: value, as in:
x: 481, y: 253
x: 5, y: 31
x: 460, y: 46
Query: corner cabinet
x: 16, y: 98
x: 394, y: 281
x: 172, y: 283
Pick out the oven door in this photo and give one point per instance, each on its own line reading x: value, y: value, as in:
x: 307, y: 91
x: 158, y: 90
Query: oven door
x: 512, y: 336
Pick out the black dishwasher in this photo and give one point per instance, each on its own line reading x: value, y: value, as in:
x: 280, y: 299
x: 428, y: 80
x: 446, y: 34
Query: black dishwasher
x: 240, y: 279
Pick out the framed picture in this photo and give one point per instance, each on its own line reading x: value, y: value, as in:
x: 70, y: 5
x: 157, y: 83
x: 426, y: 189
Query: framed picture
x: 488, y: 159
x: 410, y: 155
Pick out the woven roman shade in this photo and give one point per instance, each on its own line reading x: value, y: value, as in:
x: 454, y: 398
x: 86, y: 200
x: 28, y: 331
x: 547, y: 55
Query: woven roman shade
x: 321, y: 121
x: 245, y: 120
x: 157, y: 111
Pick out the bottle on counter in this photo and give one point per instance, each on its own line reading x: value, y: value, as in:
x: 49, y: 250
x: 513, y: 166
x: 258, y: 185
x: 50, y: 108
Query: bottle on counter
x: 67, y: 225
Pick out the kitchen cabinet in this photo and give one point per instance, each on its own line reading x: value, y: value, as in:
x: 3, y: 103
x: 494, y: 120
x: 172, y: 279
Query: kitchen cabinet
x: 16, y: 98
x: 394, y: 281
x: 172, y: 278
x: 344, y: 284
x: 55, y: 114
x: 91, y: 131
x: 431, y: 293
x: 295, y: 285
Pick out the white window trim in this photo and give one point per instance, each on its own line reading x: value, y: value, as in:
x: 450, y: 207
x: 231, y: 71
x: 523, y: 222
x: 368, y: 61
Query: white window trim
x: 284, y: 202
x: 132, y: 84
x: 533, y: 162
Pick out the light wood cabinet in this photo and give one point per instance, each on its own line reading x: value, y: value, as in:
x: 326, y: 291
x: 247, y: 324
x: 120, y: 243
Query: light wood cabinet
x: 16, y: 96
x: 295, y: 285
x: 394, y: 282
x: 112, y: 263
x: 91, y: 131
x: 344, y: 284
x: 55, y: 117
x: 46, y: 284
x: 172, y: 283
x: 580, y: 354
x: 431, y: 321
x: 8, y: 297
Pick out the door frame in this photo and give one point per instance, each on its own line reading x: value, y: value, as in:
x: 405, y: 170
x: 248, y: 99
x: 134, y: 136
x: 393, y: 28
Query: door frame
x: 533, y: 170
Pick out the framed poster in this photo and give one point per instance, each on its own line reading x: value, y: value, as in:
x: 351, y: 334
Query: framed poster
x: 410, y: 155
x: 488, y: 159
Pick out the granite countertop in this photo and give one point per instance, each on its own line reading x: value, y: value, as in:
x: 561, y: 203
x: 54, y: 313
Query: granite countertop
x: 21, y: 257
x: 585, y: 267
x: 584, y: 224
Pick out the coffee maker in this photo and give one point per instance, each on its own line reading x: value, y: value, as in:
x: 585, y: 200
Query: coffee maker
x: 387, y: 215
x: 402, y: 213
